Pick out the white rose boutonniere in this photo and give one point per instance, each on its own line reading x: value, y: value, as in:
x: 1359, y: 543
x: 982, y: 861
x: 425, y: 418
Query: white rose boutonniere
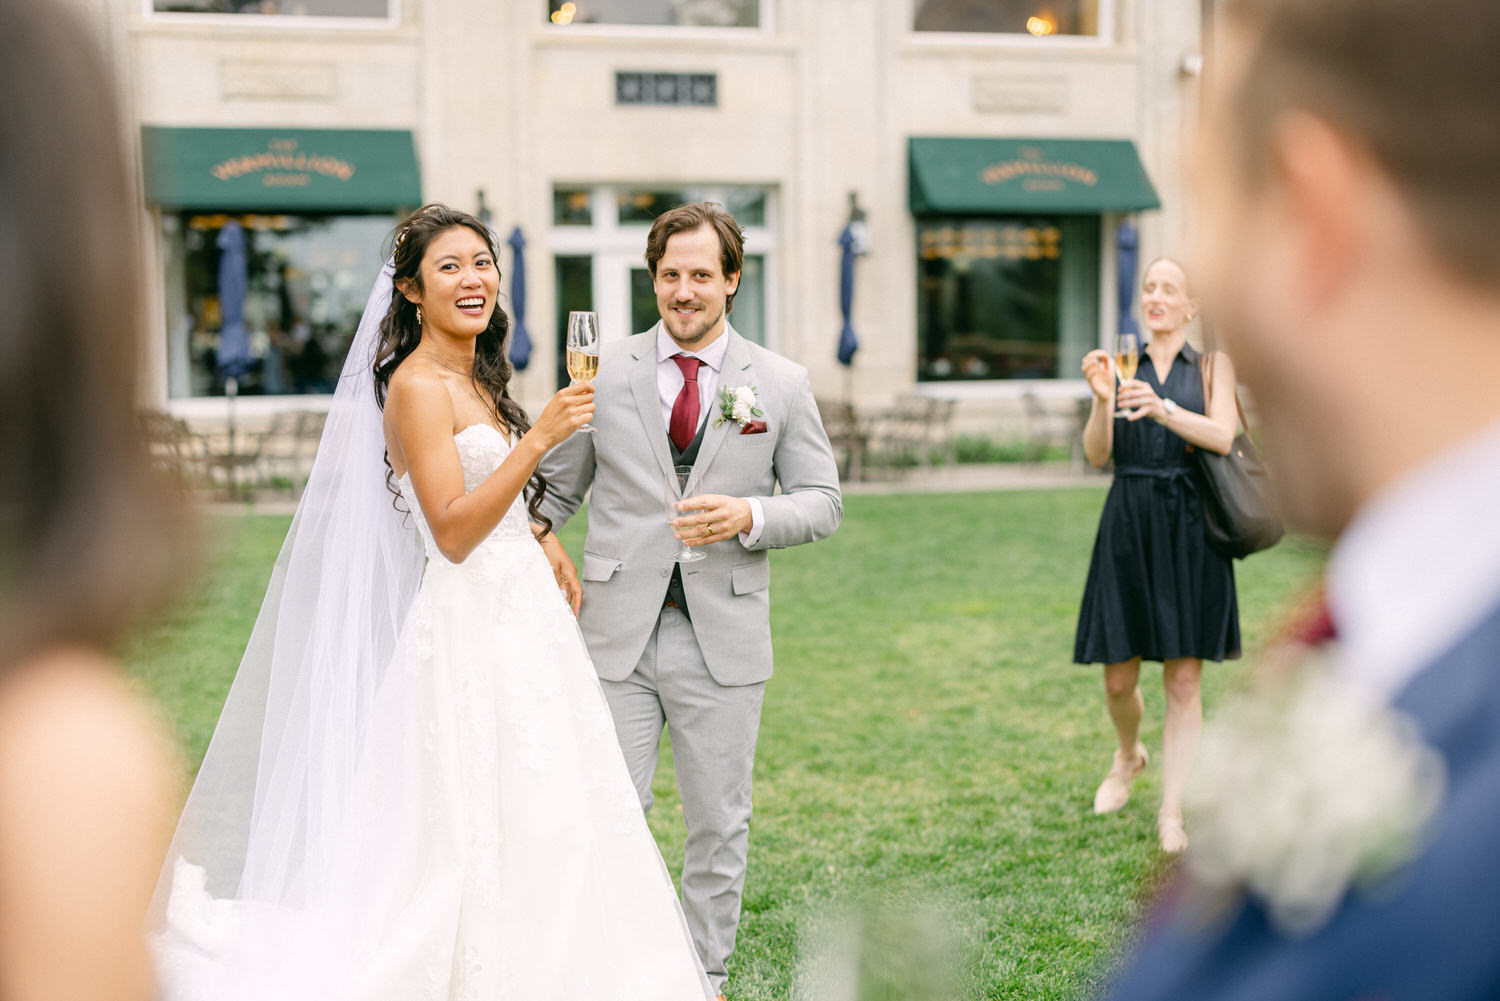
x: 738, y: 404
x: 1305, y: 792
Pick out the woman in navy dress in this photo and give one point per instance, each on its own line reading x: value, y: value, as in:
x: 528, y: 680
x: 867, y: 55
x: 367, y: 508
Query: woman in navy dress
x: 1156, y: 590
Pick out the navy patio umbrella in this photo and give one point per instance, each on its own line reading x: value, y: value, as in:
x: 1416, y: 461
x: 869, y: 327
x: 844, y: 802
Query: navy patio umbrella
x: 234, y: 358
x: 1127, y: 259
x: 848, y: 341
x: 520, y: 340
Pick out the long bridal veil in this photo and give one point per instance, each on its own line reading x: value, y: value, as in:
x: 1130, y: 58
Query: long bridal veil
x: 445, y: 815
x: 262, y: 821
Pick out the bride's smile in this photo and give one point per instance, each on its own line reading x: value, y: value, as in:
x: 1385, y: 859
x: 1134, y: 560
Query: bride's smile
x: 460, y: 285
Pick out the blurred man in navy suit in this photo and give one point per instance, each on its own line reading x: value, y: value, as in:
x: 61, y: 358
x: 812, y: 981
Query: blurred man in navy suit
x: 1349, y: 177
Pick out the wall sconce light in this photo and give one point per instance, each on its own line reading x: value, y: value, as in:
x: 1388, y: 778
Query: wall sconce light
x: 483, y: 210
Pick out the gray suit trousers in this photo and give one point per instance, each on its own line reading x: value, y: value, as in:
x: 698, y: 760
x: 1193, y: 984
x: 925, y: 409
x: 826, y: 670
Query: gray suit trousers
x: 713, y: 729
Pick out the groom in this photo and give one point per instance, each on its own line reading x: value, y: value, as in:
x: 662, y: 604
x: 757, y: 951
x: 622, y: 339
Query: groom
x: 688, y: 645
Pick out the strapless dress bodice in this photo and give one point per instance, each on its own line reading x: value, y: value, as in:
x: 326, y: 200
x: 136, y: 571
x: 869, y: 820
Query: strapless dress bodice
x: 481, y: 449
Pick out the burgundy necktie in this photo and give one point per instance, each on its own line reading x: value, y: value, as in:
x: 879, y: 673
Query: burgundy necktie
x: 685, y: 407
x: 1313, y: 625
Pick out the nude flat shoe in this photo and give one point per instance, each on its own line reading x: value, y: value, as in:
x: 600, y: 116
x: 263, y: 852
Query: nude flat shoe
x: 1169, y: 833
x: 1114, y: 791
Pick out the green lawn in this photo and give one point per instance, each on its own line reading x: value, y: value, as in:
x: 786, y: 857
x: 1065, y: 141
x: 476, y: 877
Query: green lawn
x: 927, y: 756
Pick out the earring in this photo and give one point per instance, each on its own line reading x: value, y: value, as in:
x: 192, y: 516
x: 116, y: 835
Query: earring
x: 419, y: 316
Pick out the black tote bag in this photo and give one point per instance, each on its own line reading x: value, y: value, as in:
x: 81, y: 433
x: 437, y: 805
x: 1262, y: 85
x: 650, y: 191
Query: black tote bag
x: 1238, y: 517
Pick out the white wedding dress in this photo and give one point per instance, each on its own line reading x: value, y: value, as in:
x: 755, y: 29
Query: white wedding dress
x: 495, y: 846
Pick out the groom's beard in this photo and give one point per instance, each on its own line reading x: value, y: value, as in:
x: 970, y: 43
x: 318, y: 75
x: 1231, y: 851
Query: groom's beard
x: 695, y: 329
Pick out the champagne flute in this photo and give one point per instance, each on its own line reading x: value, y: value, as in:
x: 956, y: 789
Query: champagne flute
x: 672, y: 487
x: 583, y: 349
x: 1127, y: 357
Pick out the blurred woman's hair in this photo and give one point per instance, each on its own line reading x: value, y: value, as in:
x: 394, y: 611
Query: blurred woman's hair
x: 87, y: 537
x: 1176, y: 263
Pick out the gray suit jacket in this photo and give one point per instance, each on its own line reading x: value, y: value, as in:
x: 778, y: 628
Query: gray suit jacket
x: 627, y: 557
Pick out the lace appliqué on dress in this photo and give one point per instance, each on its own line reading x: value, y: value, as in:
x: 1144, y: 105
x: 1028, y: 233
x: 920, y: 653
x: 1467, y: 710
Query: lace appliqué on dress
x: 495, y: 834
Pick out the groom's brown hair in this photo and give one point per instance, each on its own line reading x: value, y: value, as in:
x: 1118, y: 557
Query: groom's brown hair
x: 685, y: 218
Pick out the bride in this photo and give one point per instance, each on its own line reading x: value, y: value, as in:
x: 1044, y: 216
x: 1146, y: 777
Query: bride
x: 414, y: 791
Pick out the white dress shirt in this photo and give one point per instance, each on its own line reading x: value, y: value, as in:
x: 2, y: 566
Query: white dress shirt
x: 669, y: 380
x: 1418, y: 567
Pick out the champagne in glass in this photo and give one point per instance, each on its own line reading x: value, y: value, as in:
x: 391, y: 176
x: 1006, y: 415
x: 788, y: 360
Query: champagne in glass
x: 1127, y: 359
x: 672, y: 488
x: 583, y: 348
x: 1127, y: 356
x: 582, y: 367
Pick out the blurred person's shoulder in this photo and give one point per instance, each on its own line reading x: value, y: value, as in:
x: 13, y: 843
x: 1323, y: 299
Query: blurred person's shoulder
x: 77, y: 738
x: 89, y: 794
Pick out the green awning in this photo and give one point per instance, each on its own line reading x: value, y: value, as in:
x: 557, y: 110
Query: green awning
x: 280, y: 169
x: 1066, y: 176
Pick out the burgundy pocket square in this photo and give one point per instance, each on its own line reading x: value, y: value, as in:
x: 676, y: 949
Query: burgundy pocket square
x: 754, y: 427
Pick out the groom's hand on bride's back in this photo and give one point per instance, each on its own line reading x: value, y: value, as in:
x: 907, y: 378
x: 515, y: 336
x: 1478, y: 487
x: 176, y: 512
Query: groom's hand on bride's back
x: 710, y: 518
x: 566, y: 412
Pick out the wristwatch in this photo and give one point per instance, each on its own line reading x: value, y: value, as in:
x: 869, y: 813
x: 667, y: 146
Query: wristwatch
x: 1170, y: 406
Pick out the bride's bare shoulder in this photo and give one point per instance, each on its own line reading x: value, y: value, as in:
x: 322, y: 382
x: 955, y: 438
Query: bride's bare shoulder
x: 417, y: 382
x: 415, y: 372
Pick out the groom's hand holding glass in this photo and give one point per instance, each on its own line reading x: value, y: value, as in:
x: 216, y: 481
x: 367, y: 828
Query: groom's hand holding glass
x: 711, y: 518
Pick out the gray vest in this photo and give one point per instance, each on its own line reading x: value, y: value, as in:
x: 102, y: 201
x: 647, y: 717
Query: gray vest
x: 686, y: 457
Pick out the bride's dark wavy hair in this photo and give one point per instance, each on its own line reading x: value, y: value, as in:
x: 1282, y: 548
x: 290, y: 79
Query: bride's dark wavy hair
x: 400, y: 333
